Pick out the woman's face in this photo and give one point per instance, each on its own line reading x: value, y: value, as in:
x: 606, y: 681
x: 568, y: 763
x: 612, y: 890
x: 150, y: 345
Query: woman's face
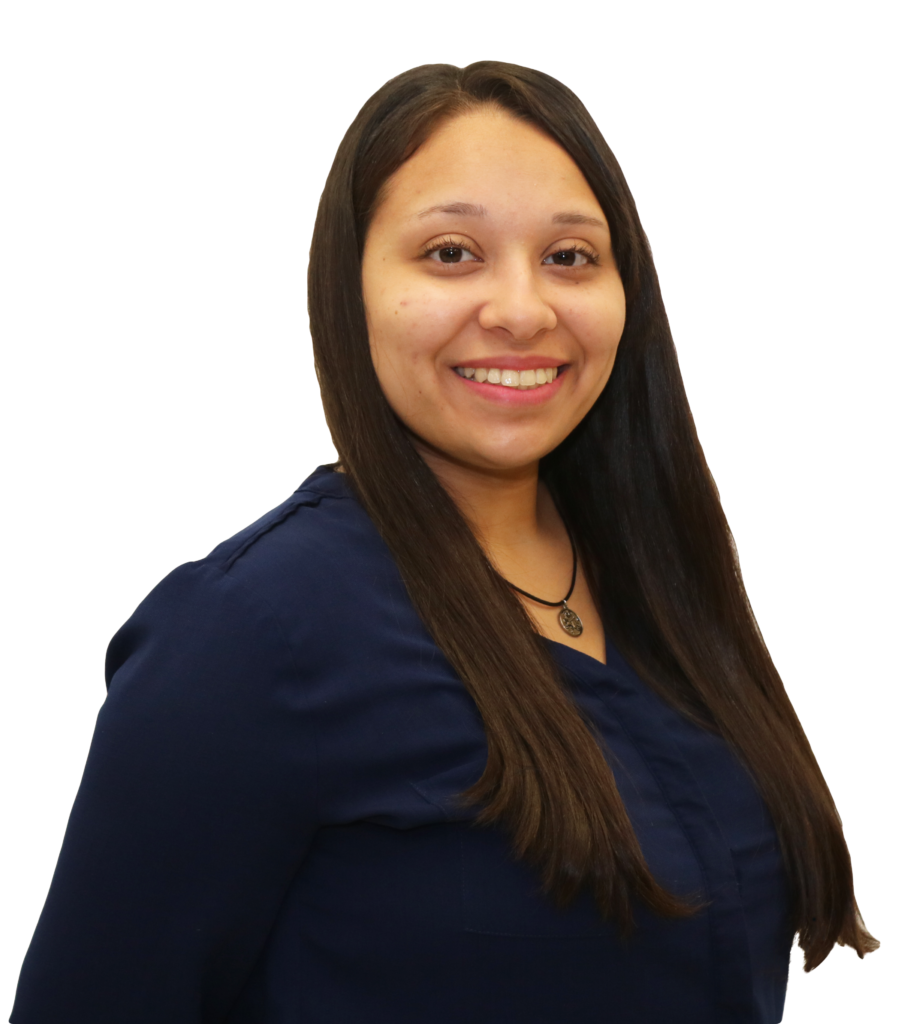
x: 487, y: 271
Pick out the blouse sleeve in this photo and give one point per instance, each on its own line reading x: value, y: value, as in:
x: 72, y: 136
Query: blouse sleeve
x: 195, y: 810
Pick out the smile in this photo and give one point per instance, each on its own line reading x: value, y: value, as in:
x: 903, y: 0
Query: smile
x: 522, y: 380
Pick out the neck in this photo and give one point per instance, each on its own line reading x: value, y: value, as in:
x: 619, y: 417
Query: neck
x: 507, y: 509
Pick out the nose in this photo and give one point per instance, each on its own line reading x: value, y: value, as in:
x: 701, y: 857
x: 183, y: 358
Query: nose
x: 516, y: 305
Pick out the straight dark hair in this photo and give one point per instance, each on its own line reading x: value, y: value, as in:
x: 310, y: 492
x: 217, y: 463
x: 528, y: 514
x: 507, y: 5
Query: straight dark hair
x: 634, y: 489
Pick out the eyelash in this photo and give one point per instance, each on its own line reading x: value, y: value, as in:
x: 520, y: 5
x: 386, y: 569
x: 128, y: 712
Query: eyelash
x: 581, y: 249
x: 452, y: 243
x: 444, y: 243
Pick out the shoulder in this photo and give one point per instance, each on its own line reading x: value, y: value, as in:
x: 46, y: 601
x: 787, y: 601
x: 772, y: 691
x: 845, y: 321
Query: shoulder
x: 317, y: 540
x: 283, y: 581
x: 320, y: 512
x: 316, y: 544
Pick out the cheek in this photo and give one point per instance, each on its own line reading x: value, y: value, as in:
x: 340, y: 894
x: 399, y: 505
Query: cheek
x: 406, y: 334
x: 413, y: 326
x: 598, y: 326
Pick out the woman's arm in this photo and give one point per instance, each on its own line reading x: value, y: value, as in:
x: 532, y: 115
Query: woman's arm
x: 195, y: 810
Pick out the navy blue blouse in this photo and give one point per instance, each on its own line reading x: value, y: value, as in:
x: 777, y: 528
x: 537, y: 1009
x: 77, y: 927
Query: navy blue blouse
x: 266, y: 832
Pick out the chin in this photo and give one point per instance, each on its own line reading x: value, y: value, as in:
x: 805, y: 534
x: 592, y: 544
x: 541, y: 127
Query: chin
x: 509, y: 456
x: 509, y: 461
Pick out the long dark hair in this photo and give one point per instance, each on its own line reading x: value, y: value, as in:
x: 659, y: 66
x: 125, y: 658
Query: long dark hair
x: 634, y: 489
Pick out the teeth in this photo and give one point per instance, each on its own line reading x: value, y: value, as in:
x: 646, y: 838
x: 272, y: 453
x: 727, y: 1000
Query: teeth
x: 522, y: 380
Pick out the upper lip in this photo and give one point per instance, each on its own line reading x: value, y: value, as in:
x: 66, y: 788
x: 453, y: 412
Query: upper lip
x: 513, y: 362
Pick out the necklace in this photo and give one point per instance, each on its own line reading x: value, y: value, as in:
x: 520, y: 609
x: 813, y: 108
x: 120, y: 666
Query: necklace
x: 570, y: 622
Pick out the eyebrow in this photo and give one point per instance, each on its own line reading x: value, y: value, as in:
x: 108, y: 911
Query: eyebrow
x: 576, y: 218
x: 471, y: 210
x: 461, y: 209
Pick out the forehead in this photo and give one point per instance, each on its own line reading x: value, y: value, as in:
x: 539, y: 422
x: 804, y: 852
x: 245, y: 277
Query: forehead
x: 491, y: 159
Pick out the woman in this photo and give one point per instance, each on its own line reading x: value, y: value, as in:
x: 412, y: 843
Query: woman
x: 478, y: 725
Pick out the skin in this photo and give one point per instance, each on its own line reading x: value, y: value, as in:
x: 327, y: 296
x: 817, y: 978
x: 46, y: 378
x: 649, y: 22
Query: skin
x: 493, y: 192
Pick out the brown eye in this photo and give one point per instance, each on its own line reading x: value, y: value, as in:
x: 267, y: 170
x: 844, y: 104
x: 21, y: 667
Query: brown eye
x: 451, y: 254
x: 566, y: 258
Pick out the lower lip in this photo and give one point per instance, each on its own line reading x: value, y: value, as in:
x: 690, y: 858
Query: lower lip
x: 513, y: 396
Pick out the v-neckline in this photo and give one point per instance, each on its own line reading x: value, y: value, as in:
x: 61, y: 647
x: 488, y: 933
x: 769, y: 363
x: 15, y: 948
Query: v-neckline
x: 609, y: 652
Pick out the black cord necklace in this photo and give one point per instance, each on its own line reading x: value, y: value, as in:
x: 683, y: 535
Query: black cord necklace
x: 570, y: 622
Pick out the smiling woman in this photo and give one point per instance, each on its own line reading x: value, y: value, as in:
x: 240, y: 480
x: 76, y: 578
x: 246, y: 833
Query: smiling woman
x: 493, y: 325
x: 477, y: 725
x: 505, y: 285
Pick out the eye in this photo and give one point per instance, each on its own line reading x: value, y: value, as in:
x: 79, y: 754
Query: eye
x: 451, y: 254
x: 572, y: 257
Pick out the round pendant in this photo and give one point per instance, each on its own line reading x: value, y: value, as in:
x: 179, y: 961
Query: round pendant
x: 570, y: 622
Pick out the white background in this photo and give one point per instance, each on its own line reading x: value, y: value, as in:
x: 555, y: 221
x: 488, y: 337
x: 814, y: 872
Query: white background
x: 160, y: 172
